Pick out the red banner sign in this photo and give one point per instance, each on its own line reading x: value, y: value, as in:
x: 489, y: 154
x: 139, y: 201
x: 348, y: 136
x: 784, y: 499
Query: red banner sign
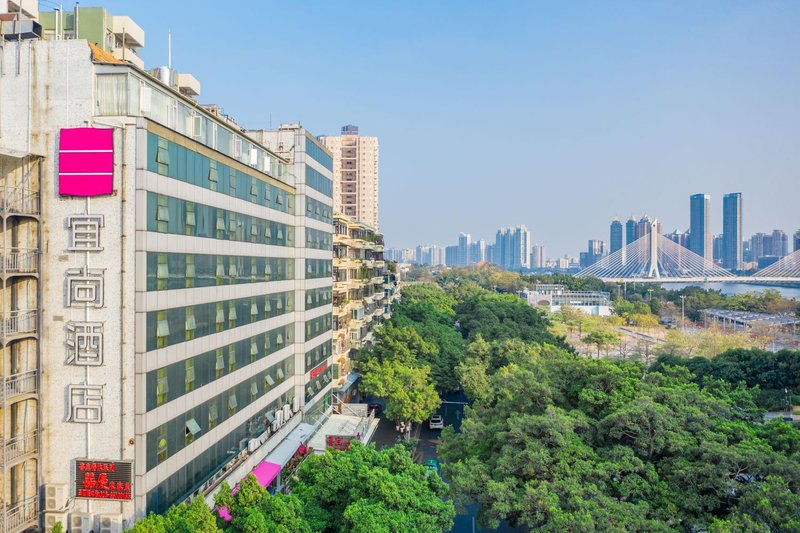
x: 103, y: 480
x: 319, y: 370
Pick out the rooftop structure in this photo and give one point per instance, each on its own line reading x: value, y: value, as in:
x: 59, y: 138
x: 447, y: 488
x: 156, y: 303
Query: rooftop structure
x: 744, y: 319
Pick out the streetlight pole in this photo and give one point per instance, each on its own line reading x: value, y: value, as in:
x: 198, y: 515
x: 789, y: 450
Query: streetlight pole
x: 683, y: 300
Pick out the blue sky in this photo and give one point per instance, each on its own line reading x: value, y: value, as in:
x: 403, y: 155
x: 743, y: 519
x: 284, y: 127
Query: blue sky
x: 557, y: 115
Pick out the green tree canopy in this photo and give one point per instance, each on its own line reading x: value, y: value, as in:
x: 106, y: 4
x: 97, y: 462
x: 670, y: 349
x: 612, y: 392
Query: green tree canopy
x: 364, y: 490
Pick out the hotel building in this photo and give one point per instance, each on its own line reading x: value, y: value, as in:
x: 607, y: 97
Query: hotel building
x: 166, y: 292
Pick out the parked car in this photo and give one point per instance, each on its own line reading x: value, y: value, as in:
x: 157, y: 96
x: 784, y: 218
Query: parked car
x: 433, y: 466
x: 436, y: 422
x: 376, y: 407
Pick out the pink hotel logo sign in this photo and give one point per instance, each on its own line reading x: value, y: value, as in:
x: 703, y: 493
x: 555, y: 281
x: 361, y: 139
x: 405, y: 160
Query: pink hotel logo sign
x: 85, y: 162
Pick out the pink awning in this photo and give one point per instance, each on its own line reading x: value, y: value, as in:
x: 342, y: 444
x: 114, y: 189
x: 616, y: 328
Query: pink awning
x: 265, y: 472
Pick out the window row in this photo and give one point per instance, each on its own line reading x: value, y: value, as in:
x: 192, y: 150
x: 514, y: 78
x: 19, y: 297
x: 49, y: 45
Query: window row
x: 319, y: 240
x: 317, y: 326
x: 170, y: 438
x: 317, y: 181
x: 178, y: 162
x: 318, y: 210
x: 316, y: 355
x: 316, y: 385
x: 319, y: 154
x: 173, y: 381
x: 319, y: 268
x: 318, y: 297
x: 181, y: 217
x: 181, y: 324
x: 178, y: 271
x: 197, y: 471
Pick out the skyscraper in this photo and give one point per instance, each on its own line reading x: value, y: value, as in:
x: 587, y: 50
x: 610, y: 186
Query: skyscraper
x: 616, y: 236
x: 538, y: 256
x: 355, y: 174
x: 630, y: 230
x: 780, y: 243
x: 732, y: 231
x: 595, y: 251
x: 700, y: 238
x: 477, y: 251
x: 464, y: 247
x: 512, y: 248
x: 797, y: 240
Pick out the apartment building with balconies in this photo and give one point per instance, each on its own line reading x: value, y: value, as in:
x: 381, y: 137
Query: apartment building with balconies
x: 360, y: 296
x: 182, y: 281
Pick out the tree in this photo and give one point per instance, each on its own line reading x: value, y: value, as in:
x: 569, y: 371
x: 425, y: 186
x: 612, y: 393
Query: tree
x: 559, y: 443
x: 602, y: 339
x: 364, y: 490
x: 182, y: 518
x: 408, y: 392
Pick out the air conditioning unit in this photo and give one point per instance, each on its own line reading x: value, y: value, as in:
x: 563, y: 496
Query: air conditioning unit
x: 296, y: 404
x: 252, y: 445
x: 51, y: 519
x: 55, y: 497
x: 110, y: 523
x: 81, y: 523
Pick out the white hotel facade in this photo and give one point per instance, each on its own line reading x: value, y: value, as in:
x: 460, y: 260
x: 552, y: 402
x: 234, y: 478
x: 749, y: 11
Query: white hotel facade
x: 170, y: 326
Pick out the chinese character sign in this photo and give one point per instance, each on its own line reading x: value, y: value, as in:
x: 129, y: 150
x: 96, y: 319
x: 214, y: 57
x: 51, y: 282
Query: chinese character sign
x: 338, y: 442
x: 103, y: 480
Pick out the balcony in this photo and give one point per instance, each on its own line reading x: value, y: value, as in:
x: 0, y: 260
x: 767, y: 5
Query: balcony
x: 18, y: 447
x: 19, y: 200
x: 22, y: 515
x: 22, y: 322
x: 20, y: 262
x: 20, y: 384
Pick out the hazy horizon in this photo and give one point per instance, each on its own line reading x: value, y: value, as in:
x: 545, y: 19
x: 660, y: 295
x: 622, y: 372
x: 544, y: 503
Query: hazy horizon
x: 558, y: 116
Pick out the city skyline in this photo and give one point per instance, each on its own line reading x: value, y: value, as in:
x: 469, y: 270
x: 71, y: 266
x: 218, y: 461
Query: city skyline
x: 640, y: 105
x: 731, y: 247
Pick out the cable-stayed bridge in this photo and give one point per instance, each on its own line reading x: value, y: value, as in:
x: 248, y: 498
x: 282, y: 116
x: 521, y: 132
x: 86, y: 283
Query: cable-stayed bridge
x: 654, y: 258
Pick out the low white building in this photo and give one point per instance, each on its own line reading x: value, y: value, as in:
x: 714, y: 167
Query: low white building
x: 554, y: 297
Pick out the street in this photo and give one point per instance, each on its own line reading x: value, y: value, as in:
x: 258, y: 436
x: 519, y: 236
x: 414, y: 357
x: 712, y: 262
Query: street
x: 386, y: 435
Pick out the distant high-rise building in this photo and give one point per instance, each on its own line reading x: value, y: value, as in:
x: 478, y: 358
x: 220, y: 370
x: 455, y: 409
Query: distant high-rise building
x: 732, y: 231
x: 679, y: 237
x: 797, y: 240
x: 490, y: 253
x: 700, y: 239
x: 538, y: 256
x: 630, y: 230
x: 451, y: 255
x: 616, y: 237
x: 780, y: 243
x: 595, y: 251
x: 477, y: 251
x: 464, y: 245
x: 437, y: 255
x: 512, y: 248
x: 760, y: 246
x: 717, y: 247
x: 355, y: 174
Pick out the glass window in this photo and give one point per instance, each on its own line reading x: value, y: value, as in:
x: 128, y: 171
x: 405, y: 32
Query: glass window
x: 189, y: 375
x: 162, y: 387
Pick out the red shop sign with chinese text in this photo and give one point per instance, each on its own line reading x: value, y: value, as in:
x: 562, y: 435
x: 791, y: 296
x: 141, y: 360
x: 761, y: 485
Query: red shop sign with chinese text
x: 338, y: 442
x: 103, y: 480
x: 319, y: 370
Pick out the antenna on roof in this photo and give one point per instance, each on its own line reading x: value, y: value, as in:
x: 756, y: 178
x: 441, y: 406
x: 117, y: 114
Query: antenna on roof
x: 169, y: 48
